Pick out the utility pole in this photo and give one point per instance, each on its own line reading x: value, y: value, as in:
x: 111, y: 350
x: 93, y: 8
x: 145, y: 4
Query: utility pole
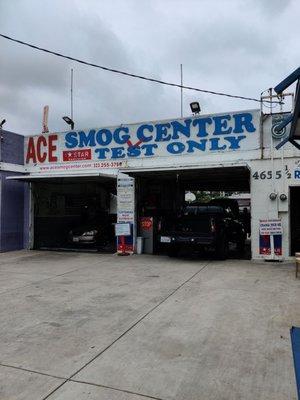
x: 72, y: 94
x: 181, y: 91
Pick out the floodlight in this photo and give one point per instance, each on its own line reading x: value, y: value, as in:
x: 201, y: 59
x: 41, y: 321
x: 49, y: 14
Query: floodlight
x: 69, y: 121
x: 195, y: 107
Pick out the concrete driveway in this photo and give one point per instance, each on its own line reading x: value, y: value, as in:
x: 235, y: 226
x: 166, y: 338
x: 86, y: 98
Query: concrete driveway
x: 102, y: 327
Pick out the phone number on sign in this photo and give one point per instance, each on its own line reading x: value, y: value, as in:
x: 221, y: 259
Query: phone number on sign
x: 109, y: 164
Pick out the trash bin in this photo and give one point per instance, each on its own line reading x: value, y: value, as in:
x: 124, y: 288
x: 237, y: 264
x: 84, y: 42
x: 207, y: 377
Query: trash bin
x: 139, y: 245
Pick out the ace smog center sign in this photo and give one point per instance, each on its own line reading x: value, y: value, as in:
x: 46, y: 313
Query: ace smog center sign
x: 110, y: 147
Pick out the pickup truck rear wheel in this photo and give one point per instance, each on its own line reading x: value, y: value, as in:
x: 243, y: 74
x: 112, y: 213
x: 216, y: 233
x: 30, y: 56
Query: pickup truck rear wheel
x: 222, y: 248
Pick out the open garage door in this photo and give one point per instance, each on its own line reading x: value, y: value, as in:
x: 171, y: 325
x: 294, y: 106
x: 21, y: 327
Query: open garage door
x: 74, y: 212
x: 161, y: 201
x: 295, y: 219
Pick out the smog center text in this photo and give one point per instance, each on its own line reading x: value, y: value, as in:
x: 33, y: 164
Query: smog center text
x: 190, y: 136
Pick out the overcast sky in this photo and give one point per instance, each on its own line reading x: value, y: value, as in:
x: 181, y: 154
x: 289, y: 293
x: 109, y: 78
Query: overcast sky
x: 235, y: 46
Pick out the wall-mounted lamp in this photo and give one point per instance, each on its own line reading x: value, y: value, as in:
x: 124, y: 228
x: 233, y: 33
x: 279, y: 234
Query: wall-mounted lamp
x: 283, y: 197
x: 273, y: 196
x: 69, y: 121
x: 195, y: 107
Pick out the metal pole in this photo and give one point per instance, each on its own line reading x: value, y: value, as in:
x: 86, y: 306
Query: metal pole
x: 1, y: 139
x: 72, y: 94
x: 181, y: 92
x: 272, y: 141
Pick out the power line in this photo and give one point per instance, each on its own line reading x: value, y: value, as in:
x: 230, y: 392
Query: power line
x: 116, y: 71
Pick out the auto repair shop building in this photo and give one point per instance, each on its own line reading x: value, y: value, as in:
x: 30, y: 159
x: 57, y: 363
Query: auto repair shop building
x: 150, y: 165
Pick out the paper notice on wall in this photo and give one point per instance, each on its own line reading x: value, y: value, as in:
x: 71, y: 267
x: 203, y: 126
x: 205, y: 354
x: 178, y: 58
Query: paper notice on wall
x: 270, y: 237
x: 270, y: 227
x: 122, y: 229
x: 125, y: 216
x: 125, y: 201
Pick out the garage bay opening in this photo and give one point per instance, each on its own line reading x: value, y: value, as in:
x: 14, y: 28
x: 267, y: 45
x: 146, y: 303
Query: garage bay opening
x: 75, y: 213
x: 295, y: 219
x: 205, y: 212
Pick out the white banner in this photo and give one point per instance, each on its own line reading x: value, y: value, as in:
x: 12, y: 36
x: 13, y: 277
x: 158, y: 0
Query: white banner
x: 114, y: 147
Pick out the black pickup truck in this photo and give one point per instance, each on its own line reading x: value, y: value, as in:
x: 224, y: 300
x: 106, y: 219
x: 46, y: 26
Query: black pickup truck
x: 205, y: 226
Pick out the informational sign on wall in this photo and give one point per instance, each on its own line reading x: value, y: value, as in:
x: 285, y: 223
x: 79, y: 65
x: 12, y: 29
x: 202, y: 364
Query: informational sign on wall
x: 270, y: 227
x: 122, y: 229
x: 270, y: 237
x: 125, y: 198
x: 126, y: 211
x: 112, y: 147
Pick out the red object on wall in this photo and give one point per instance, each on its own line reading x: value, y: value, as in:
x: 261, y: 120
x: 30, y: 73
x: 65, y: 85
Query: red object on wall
x: 146, y: 223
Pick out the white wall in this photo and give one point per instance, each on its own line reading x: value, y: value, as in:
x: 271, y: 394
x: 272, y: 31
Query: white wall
x: 282, y: 163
